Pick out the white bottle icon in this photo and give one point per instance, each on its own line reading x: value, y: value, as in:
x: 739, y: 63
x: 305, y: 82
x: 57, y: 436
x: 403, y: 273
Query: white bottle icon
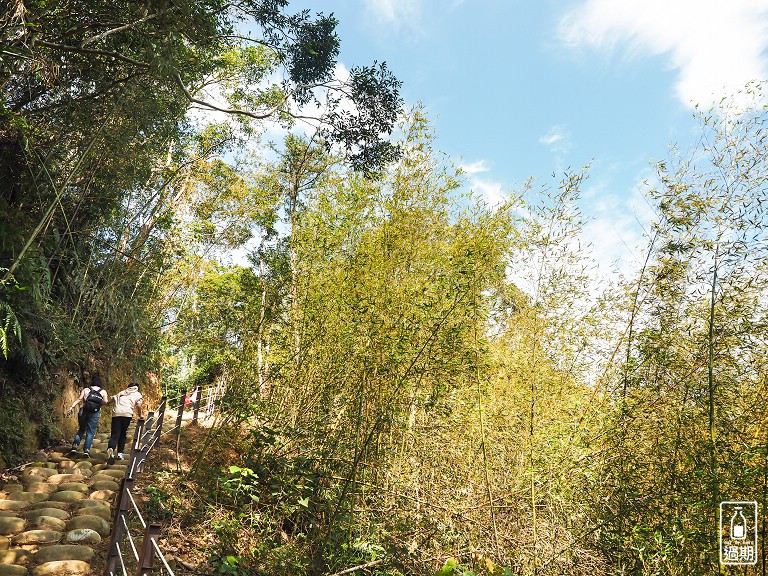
x: 738, y: 525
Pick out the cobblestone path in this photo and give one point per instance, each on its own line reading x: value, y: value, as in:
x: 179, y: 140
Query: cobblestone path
x: 55, y: 513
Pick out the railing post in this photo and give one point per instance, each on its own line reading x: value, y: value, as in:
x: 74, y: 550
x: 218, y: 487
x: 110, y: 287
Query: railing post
x: 213, y: 395
x: 135, y: 452
x: 179, y: 420
x: 141, y: 453
x: 137, y: 435
x: 147, y: 555
x: 180, y: 414
x: 139, y: 447
x: 147, y: 431
x: 159, y: 424
x: 126, y: 484
x: 198, y: 394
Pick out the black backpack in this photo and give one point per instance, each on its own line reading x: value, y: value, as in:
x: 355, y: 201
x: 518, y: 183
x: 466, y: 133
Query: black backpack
x: 94, y: 400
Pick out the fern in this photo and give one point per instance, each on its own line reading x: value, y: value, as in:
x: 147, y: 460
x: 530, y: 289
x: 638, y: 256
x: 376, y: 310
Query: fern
x: 9, y: 325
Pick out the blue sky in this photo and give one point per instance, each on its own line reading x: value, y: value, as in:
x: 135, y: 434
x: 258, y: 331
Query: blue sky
x: 524, y: 89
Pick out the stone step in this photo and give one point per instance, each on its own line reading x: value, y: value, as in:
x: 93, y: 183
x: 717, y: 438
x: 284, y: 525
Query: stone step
x: 37, y: 537
x: 12, y: 570
x: 56, y: 512
x: 82, y: 536
x: 60, y: 552
x: 62, y: 567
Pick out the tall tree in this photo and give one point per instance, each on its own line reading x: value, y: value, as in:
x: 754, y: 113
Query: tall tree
x: 687, y: 427
x: 102, y: 161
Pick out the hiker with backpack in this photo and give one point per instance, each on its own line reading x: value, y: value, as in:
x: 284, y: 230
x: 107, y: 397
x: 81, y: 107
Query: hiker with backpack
x: 92, y: 398
x: 127, y: 402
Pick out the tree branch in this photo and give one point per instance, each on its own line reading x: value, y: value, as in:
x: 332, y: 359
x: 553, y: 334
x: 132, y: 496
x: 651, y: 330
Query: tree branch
x: 356, y: 568
x: 118, y: 29
x: 80, y: 50
x: 257, y: 115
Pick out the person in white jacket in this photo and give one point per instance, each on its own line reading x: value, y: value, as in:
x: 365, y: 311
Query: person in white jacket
x: 127, y: 403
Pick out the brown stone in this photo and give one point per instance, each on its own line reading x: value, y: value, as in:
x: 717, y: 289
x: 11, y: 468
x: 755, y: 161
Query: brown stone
x: 30, y: 497
x: 9, y: 526
x: 12, y: 570
x: 15, y: 556
x: 53, y: 512
x: 83, y: 536
x: 106, y: 485
x: 74, y: 477
x: 39, y: 456
x: 102, y: 495
x: 47, y: 523
x: 63, y: 552
x: 61, y: 567
x: 14, y: 504
x: 37, y: 537
x: 91, y: 522
x: 67, y: 496
x: 41, y: 488
x: 114, y: 472
x: 76, y: 486
x: 31, y: 479
x: 38, y: 471
x: 102, y: 512
x: 49, y: 504
x: 99, y: 477
x: 91, y: 504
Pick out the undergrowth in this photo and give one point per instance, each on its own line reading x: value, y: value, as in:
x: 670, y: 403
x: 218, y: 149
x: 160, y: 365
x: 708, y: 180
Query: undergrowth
x: 249, y: 509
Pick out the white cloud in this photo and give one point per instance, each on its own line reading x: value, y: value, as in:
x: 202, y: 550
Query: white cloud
x: 490, y: 191
x: 557, y: 139
x: 616, y: 230
x: 716, y: 46
x: 398, y: 13
x: 475, y: 167
x: 550, y: 139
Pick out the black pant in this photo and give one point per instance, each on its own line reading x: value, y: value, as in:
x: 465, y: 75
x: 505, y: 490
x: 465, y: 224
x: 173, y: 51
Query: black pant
x: 119, y: 431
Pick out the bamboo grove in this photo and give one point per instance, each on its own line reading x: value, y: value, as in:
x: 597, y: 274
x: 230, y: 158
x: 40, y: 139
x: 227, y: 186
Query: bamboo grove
x: 417, y: 382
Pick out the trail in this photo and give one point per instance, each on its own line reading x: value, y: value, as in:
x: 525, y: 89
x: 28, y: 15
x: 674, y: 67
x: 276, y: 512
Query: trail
x: 58, y: 512
x: 55, y: 513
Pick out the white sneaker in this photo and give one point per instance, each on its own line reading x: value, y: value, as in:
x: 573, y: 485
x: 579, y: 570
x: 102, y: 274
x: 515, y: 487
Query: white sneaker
x: 120, y: 456
x: 110, y: 456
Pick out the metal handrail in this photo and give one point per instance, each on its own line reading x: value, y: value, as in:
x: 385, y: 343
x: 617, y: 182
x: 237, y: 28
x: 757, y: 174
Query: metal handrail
x: 136, y: 509
x: 162, y: 557
x: 122, y: 562
x: 130, y: 539
x: 169, y: 431
x: 147, y: 435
